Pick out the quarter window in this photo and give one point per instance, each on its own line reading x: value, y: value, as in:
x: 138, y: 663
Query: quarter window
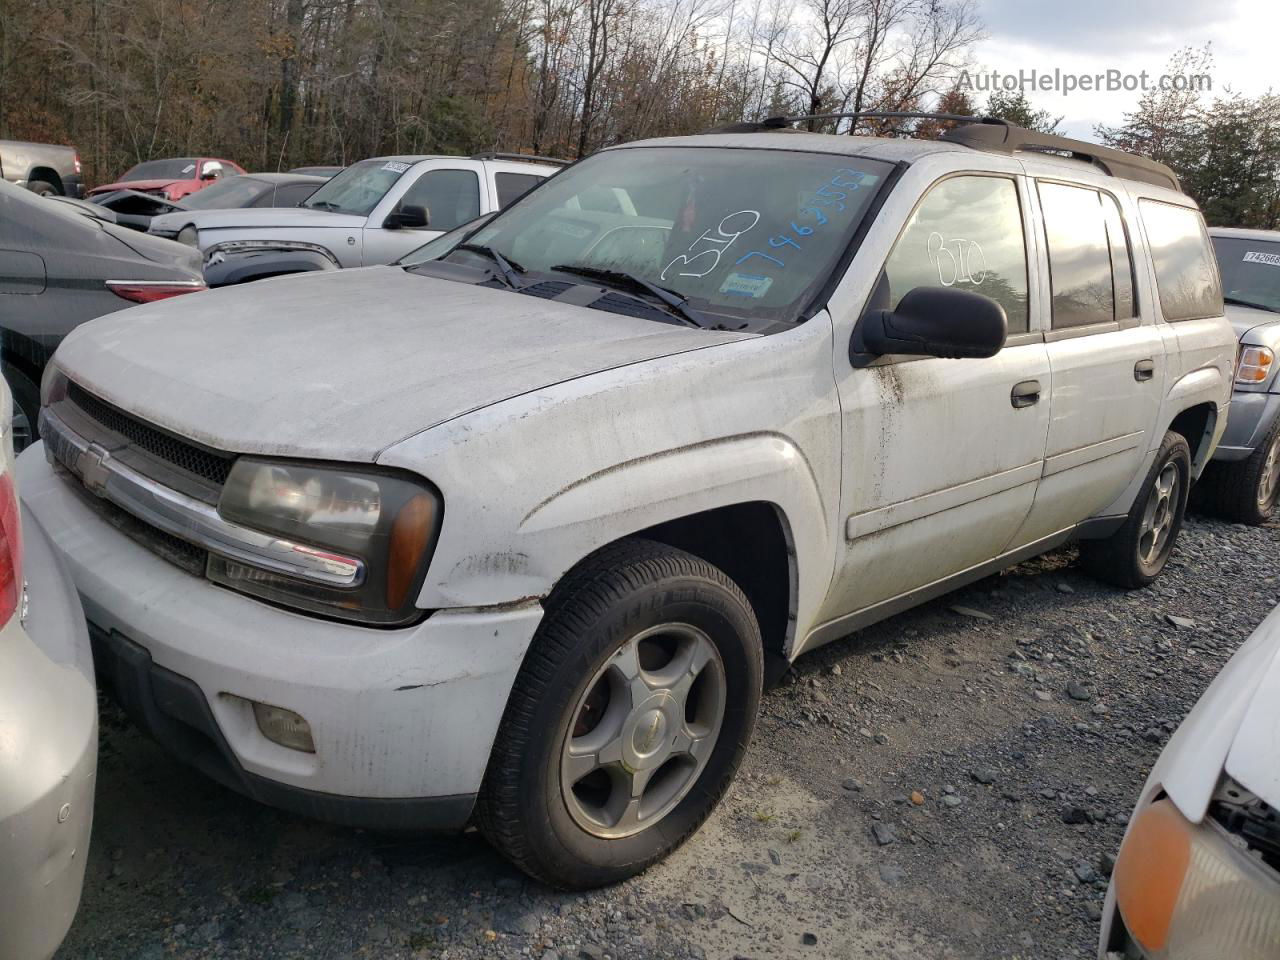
x: 452, y: 197
x: 1186, y: 277
x: 966, y: 233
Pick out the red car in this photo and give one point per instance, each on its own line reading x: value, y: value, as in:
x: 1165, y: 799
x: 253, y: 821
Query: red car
x: 172, y: 179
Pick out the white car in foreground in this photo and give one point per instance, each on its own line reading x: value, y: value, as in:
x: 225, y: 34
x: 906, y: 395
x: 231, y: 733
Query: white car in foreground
x: 1198, y: 874
x: 48, y: 731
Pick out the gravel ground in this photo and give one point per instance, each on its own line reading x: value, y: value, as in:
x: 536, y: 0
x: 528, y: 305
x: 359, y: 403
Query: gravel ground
x: 948, y: 784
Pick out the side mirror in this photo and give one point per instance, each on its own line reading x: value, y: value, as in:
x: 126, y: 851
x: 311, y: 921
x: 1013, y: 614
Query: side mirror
x: 211, y: 171
x: 936, y: 322
x: 410, y: 216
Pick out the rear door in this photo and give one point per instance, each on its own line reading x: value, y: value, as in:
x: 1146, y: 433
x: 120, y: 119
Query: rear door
x: 1106, y: 353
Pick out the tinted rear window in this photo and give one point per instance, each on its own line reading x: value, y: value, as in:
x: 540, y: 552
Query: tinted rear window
x: 1186, y: 275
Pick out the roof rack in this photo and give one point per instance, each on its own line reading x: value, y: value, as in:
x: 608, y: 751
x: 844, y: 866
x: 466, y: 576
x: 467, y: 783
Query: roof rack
x: 529, y: 158
x: 1011, y: 139
x: 994, y: 135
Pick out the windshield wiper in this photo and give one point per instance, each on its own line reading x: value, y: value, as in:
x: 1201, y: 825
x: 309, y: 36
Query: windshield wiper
x: 509, y: 268
x: 323, y: 205
x: 673, y: 301
x: 1250, y: 303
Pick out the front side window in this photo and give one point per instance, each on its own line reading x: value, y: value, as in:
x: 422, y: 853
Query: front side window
x: 451, y: 197
x: 1250, y: 271
x: 1080, y: 274
x: 1186, y: 276
x: 965, y: 233
x: 358, y: 188
x: 739, y: 234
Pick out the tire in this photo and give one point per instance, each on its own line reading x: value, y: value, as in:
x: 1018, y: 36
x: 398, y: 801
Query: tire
x: 42, y: 188
x: 537, y: 806
x: 1135, y: 554
x: 1244, y: 491
x: 26, y: 408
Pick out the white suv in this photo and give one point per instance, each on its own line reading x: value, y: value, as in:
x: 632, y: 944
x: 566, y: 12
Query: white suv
x: 520, y: 533
x: 374, y: 211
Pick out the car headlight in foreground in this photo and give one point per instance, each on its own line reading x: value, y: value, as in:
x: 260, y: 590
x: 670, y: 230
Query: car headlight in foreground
x: 374, y: 531
x: 1192, y: 891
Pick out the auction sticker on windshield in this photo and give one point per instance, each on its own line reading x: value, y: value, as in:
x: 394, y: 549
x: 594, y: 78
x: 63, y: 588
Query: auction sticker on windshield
x: 1270, y: 259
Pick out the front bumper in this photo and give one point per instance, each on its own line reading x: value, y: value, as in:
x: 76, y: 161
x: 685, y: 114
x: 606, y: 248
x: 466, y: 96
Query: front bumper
x: 1250, y: 419
x: 402, y: 720
x: 48, y: 758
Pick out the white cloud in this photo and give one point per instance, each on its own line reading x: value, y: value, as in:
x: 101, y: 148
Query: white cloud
x: 1090, y: 37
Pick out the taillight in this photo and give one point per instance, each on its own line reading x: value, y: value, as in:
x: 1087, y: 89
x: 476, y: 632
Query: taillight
x: 148, y: 291
x: 10, y: 550
x: 77, y: 163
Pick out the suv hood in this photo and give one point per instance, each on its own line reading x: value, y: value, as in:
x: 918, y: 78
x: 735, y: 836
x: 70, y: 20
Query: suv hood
x: 342, y: 365
x: 258, y: 218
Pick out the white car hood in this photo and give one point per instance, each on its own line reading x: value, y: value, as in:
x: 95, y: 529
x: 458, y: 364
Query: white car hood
x: 342, y: 365
x: 258, y: 218
x: 1235, y: 726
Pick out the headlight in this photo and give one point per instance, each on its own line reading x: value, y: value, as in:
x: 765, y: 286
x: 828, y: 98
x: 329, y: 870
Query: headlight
x: 1189, y: 892
x: 1254, y: 365
x: 380, y: 525
x: 189, y: 235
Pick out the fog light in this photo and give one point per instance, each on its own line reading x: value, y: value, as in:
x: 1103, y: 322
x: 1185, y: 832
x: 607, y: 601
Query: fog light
x: 284, y: 727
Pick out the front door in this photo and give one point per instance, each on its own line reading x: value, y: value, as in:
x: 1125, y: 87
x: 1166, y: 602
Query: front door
x: 449, y: 196
x: 941, y: 457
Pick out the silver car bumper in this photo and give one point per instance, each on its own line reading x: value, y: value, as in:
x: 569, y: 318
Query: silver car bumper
x: 48, y: 757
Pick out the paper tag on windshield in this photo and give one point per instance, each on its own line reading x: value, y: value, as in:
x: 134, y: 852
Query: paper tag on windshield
x: 395, y: 166
x: 746, y: 285
x: 188, y: 168
x: 1270, y: 259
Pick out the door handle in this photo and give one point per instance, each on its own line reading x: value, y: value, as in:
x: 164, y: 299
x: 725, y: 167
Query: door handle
x: 1025, y: 394
x: 1144, y: 370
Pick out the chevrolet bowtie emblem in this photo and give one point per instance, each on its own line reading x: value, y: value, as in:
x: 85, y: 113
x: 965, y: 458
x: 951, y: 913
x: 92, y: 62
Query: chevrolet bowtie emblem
x: 92, y: 467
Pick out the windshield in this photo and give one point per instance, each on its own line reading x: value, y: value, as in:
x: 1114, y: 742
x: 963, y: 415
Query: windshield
x: 233, y: 191
x: 182, y: 168
x: 443, y: 244
x: 1250, y: 271
x: 740, y: 233
x: 358, y: 188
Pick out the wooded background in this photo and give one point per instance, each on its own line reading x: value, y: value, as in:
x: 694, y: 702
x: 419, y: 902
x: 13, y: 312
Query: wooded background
x: 278, y: 83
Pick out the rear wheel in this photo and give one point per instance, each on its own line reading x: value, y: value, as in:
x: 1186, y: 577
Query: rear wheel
x: 1135, y: 554
x: 1245, y: 490
x: 42, y: 188
x: 628, y: 720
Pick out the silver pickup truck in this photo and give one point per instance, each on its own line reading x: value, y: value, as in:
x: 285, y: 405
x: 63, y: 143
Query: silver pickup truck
x: 44, y: 168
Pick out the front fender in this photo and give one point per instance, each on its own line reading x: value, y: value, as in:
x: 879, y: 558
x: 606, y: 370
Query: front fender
x: 536, y: 483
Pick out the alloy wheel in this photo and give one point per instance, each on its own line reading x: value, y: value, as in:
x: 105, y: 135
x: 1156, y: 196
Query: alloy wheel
x: 1159, y: 515
x: 643, y: 730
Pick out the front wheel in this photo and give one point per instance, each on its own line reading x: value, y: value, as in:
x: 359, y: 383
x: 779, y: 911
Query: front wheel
x: 1135, y: 554
x: 628, y: 719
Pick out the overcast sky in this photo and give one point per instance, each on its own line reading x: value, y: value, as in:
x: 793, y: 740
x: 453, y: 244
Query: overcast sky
x: 1092, y: 36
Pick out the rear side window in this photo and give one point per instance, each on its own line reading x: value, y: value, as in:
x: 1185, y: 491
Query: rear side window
x: 966, y: 233
x: 1080, y: 271
x: 513, y: 186
x: 1186, y: 276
